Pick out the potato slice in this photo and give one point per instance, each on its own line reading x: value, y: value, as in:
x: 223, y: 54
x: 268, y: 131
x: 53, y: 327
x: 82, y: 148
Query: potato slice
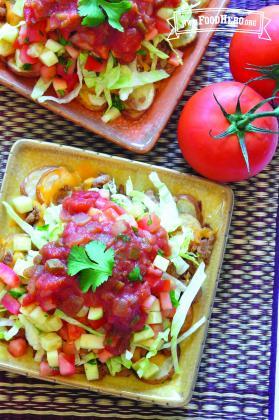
x: 29, y: 184
x: 52, y: 182
x: 84, y: 99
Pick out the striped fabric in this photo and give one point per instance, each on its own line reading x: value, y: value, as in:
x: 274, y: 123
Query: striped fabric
x: 233, y: 380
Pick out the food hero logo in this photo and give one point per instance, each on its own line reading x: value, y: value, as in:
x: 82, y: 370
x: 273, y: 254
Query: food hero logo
x: 227, y: 21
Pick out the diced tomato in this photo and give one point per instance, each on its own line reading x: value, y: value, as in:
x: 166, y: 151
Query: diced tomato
x: 162, y: 26
x: 111, y: 214
x: 46, y: 370
x: 104, y: 355
x: 92, y: 64
x: 148, y: 303
x: 36, y: 32
x: 25, y: 57
x: 11, y: 304
x: 73, y: 52
x: 150, y: 222
x: 69, y: 347
x: 48, y: 73
x: 66, y: 364
x: 151, y: 34
x: 74, y: 332
x: 96, y: 324
x: 161, y: 286
x: 165, y: 301
x: 63, y: 332
x: 60, y: 86
x: 17, y: 347
x: 169, y: 313
x: 72, y: 81
x: 8, y: 276
x: 157, y: 328
x: 28, y: 299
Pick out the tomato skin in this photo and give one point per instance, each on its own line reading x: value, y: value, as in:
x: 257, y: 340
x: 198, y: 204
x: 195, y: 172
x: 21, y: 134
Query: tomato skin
x: 248, y: 49
x: 222, y: 160
x: 94, y: 65
x: 150, y: 222
x: 74, y: 332
x: 17, y: 347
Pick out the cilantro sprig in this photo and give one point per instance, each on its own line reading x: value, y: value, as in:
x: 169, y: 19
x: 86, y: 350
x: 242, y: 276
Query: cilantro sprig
x: 95, y: 12
x: 94, y: 264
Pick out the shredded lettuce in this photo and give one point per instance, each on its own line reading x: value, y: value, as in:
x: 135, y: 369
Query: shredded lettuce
x: 183, y: 308
x: 36, y: 236
x: 189, y: 332
x: 31, y: 333
x: 70, y: 96
x: 40, y: 88
x: 18, y: 8
x: 132, y: 79
x: 54, y: 227
x: 157, y: 343
x: 111, y: 187
x: 181, y: 266
x: 154, y: 51
x: 167, y: 211
x: 8, y: 335
x: 73, y: 321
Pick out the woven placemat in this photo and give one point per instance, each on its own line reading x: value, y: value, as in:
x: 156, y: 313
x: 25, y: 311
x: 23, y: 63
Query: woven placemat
x: 233, y: 380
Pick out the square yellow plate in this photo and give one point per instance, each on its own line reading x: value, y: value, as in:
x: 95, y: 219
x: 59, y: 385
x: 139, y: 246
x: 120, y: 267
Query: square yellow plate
x: 217, y: 201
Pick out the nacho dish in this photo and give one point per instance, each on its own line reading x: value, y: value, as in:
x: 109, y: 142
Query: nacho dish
x: 101, y: 279
x: 109, y: 55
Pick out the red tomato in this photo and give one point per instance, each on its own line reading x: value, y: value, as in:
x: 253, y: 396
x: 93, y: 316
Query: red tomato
x: 25, y: 58
x: 48, y: 73
x: 96, y: 324
x: 8, y: 276
x: 74, y: 332
x: 248, y: 49
x: 63, y: 332
x: 150, y: 222
x: 17, y: 347
x: 66, y: 364
x: 46, y: 370
x: 94, y: 65
x: 69, y: 347
x: 162, y: 26
x: 222, y: 159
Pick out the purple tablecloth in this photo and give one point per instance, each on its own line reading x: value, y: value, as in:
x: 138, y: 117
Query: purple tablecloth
x: 236, y: 378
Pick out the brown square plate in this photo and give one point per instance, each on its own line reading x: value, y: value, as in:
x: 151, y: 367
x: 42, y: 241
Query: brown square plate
x: 136, y: 135
x: 217, y: 201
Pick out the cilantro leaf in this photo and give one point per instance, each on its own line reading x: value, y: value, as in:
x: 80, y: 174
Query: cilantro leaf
x: 135, y: 274
x: 114, y: 12
x: 78, y: 260
x: 90, y: 10
x: 93, y: 263
x: 94, y: 12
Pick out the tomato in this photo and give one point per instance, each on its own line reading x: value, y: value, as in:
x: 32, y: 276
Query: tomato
x: 96, y: 324
x: 25, y: 58
x: 8, y: 276
x: 222, y: 159
x: 150, y: 222
x: 74, y: 332
x: 162, y: 26
x: 69, y: 347
x: 94, y: 65
x: 17, y: 347
x: 46, y: 370
x: 66, y: 364
x: 48, y: 73
x: 11, y: 304
x: 248, y: 49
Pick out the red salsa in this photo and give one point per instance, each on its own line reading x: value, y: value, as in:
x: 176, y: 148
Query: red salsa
x: 88, y: 216
x: 61, y: 20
